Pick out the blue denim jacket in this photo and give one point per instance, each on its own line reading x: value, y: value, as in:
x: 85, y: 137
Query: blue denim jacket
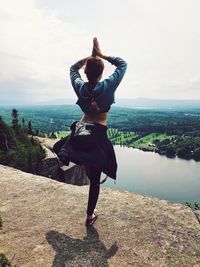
x: 104, y: 91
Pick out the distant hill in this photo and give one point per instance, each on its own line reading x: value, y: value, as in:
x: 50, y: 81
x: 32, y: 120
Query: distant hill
x: 138, y: 103
x: 158, y: 103
x: 62, y: 101
x: 142, y: 102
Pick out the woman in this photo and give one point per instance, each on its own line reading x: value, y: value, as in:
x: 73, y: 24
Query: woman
x: 88, y: 143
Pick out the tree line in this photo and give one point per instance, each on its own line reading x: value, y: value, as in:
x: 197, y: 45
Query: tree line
x: 185, y: 125
x: 18, y: 148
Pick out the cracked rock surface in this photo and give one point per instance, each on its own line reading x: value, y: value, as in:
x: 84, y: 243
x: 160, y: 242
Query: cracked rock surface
x: 44, y: 225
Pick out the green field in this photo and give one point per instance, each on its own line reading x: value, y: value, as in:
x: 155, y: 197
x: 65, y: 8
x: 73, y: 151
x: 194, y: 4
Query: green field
x: 132, y: 139
x: 128, y: 138
x: 122, y: 137
x: 62, y: 134
x: 150, y: 138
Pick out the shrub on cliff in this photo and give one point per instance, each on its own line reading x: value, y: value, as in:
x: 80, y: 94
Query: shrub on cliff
x: 23, y: 152
x: 1, y: 223
x: 4, y: 262
x: 197, y: 153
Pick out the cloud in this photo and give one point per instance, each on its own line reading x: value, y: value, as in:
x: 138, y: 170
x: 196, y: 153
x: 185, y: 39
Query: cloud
x: 37, y: 48
x: 159, y: 39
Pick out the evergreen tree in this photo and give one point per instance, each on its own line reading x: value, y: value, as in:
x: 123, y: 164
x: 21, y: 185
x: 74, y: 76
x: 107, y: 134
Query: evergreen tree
x: 23, y: 123
x: 53, y: 135
x: 30, y: 131
x: 15, y: 119
x: 21, y: 151
x: 9, y: 133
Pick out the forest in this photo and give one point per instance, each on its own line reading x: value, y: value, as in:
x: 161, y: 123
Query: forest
x: 166, y: 131
x: 18, y: 148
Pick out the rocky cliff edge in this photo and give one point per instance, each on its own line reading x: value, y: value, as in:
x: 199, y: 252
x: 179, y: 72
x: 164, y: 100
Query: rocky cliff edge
x: 43, y: 225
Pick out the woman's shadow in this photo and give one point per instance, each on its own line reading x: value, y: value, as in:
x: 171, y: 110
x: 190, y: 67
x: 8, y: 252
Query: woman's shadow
x: 90, y: 251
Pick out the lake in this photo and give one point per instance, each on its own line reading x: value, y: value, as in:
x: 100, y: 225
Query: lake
x: 148, y: 173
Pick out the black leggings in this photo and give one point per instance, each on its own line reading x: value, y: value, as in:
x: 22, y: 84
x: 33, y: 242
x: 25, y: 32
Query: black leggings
x: 94, y: 177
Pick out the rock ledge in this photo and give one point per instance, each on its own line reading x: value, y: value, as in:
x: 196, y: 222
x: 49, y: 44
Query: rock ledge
x: 43, y: 225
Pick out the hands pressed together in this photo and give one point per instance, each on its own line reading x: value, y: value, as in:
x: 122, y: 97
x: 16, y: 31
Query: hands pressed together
x: 96, y: 52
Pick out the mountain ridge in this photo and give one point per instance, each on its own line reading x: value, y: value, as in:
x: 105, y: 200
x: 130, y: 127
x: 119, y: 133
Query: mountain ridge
x: 140, y: 102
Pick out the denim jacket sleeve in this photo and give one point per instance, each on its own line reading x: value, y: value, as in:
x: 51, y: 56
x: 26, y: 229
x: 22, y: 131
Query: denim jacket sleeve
x: 108, y: 85
x: 75, y: 77
x: 111, y: 83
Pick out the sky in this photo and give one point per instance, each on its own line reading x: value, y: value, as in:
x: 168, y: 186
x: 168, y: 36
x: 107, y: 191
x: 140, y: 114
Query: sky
x: 41, y: 39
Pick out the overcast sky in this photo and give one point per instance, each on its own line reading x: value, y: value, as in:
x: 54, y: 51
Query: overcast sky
x: 41, y: 39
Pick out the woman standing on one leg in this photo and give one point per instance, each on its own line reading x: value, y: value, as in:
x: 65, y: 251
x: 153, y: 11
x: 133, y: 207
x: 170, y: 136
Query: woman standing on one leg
x: 94, y: 177
x: 88, y: 143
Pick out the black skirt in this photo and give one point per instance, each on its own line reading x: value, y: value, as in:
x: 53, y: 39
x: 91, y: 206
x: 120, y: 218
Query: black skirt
x: 93, y: 150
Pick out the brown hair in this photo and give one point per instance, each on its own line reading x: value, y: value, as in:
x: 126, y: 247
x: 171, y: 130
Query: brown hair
x: 94, y: 68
